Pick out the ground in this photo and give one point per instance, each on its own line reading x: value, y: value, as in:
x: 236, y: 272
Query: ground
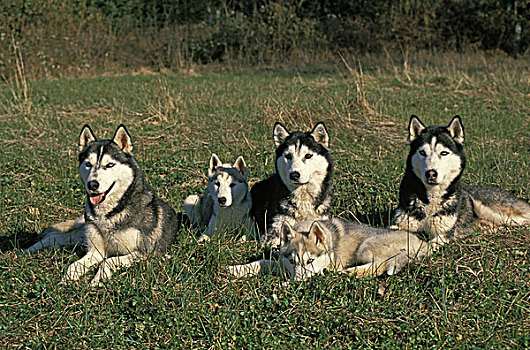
x: 473, y: 293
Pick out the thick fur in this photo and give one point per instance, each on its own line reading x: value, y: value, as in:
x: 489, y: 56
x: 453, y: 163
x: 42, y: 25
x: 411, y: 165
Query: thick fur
x: 432, y: 200
x: 301, y: 188
x: 226, y: 202
x: 124, y: 220
x: 342, y: 246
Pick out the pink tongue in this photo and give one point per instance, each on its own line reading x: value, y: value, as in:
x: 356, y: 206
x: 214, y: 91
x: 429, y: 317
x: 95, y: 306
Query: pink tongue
x: 96, y: 199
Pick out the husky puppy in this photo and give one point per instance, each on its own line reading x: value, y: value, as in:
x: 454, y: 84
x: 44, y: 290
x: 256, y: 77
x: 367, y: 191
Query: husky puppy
x: 301, y: 188
x: 433, y: 202
x: 226, y: 202
x: 124, y: 220
x: 342, y: 246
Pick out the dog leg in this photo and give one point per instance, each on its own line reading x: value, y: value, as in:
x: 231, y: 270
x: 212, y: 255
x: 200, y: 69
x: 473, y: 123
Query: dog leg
x: 366, y: 270
x: 67, y: 233
x: 79, y: 268
x: 192, y: 208
x: 212, y: 225
x: 110, y: 265
x: 256, y: 268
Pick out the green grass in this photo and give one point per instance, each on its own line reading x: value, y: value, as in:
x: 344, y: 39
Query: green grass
x: 473, y: 294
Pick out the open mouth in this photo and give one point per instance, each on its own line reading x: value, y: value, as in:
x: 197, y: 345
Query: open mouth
x: 432, y: 182
x: 298, y: 183
x: 96, y: 199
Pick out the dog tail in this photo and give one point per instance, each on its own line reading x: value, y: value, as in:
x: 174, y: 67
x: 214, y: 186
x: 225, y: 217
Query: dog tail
x: 192, y: 207
x: 498, y: 207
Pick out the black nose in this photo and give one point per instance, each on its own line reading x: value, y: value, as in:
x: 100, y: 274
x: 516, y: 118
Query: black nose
x: 221, y: 200
x: 295, y: 175
x: 93, y: 185
x: 431, y: 174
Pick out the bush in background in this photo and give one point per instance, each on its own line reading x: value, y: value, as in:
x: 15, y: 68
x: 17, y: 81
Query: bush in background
x: 66, y: 37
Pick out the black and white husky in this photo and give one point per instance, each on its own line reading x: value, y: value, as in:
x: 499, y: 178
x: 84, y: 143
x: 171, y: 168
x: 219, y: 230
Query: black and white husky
x: 433, y: 202
x: 226, y: 202
x: 301, y: 188
x: 124, y: 220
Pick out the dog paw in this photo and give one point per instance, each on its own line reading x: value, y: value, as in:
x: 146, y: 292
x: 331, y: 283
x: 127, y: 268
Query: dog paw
x: 203, y: 238
x: 237, y: 270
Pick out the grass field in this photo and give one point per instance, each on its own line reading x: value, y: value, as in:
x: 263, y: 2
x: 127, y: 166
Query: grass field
x: 474, y: 293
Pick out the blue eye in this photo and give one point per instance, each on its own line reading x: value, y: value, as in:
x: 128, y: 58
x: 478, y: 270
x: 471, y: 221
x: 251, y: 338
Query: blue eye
x: 88, y: 165
x: 444, y: 153
x: 110, y: 165
x: 288, y: 156
x: 310, y: 261
x: 422, y: 153
x: 308, y: 156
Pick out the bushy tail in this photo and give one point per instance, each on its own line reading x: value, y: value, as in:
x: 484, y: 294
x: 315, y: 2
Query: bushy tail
x: 192, y: 207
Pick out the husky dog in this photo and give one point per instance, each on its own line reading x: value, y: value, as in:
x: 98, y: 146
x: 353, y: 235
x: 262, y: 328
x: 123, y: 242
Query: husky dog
x: 433, y: 202
x: 301, y: 188
x: 342, y: 246
x: 225, y: 203
x: 124, y: 220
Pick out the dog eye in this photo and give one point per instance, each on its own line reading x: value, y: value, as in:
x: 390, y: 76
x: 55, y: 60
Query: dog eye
x: 288, y: 156
x: 308, y: 156
x: 444, y: 153
x: 232, y: 185
x: 110, y: 165
x: 310, y: 261
x: 217, y: 183
x: 88, y: 164
x: 422, y: 153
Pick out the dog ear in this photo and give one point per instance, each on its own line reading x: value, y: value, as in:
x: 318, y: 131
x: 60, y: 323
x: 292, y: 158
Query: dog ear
x: 415, y: 127
x: 241, y: 166
x: 85, y: 137
x: 280, y: 133
x: 456, y: 129
x: 287, y: 232
x: 320, y: 134
x: 215, y: 163
x: 123, y: 139
x: 317, y: 234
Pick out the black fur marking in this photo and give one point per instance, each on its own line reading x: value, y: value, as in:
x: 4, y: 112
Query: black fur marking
x: 270, y: 197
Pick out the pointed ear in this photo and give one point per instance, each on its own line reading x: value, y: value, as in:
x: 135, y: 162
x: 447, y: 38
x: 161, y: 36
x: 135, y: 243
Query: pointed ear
x: 415, y: 127
x: 215, y: 163
x: 317, y: 234
x: 241, y: 167
x: 85, y: 137
x: 287, y: 232
x: 280, y: 133
x: 320, y: 134
x: 123, y: 139
x: 456, y: 129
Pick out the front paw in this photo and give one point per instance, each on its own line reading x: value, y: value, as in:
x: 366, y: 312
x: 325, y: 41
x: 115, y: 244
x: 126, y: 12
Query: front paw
x: 203, y: 238
x: 74, y: 273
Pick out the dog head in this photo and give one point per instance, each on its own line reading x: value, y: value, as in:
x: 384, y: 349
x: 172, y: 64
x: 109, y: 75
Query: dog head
x: 227, y: 182
x: 305, y: 253
x: 436, y: 152
x: 302, y: 157
x: 104, y: 165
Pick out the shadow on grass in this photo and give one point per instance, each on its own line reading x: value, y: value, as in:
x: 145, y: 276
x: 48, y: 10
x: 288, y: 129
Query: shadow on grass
x: 18, y: 240
x: 25, y: 239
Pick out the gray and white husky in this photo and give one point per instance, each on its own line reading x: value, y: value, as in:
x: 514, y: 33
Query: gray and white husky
x: 433, y: 202
x: 338, y: 245
x: 226, y: 202
x: 124, y: 220
x: 301, y: 188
